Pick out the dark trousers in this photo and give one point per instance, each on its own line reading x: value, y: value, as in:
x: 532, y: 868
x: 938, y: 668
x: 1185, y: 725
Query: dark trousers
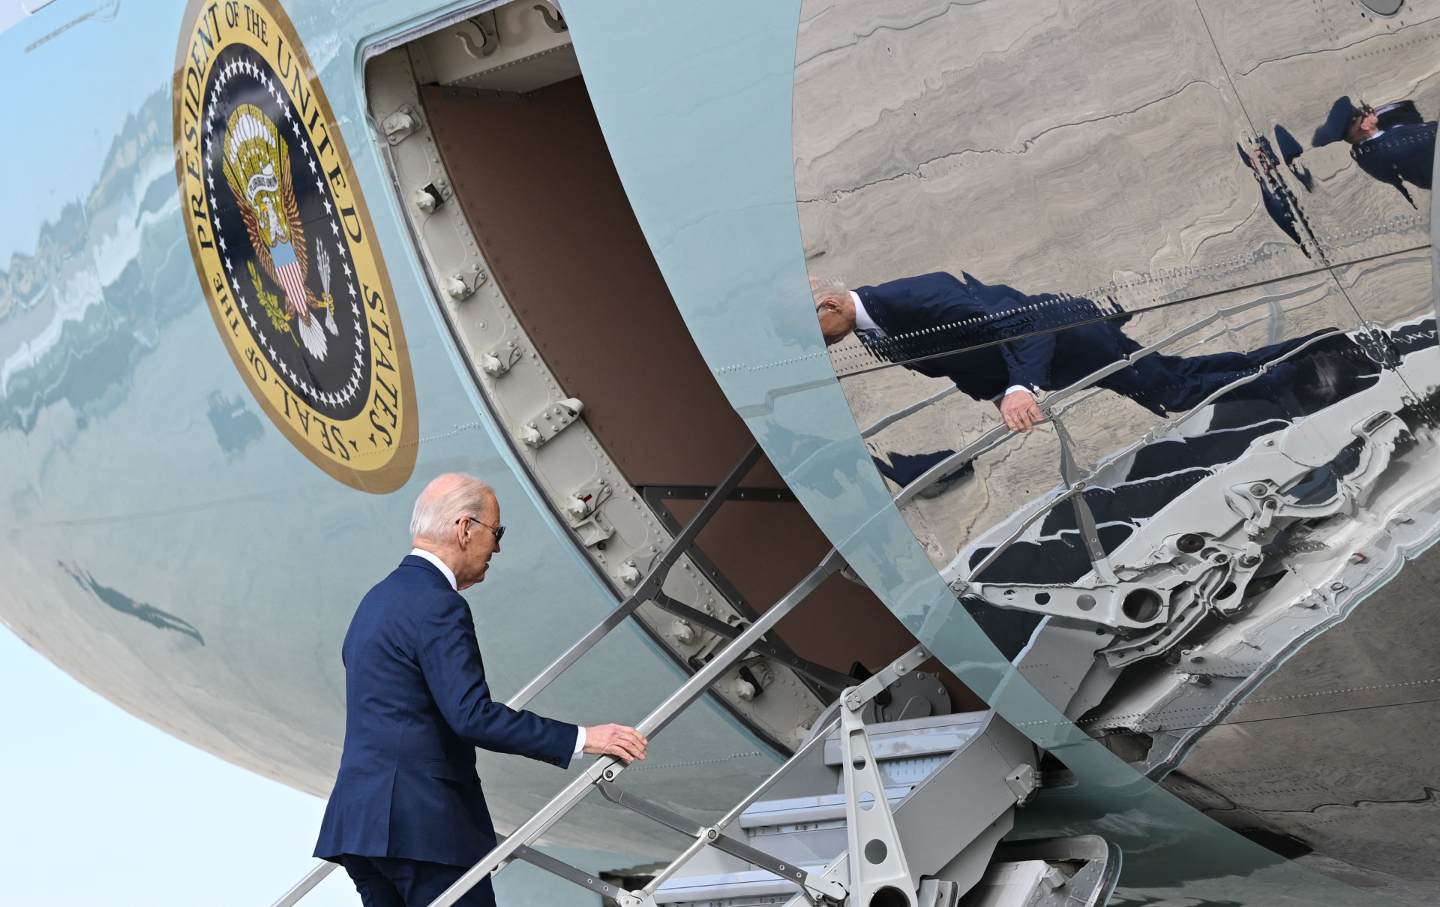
x: 390, y: 882
x: 1170, y: 384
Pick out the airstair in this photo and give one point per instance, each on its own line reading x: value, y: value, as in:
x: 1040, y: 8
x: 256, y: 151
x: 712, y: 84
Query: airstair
x: 892, y: 801
x: 951, y: 784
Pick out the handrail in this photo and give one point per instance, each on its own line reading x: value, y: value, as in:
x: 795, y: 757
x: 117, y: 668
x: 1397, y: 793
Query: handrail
x: 1060, y: 400
x: 907, y: 411
x: 608, y: 768
x: 1077, y: 486
x: 703, y: 837
x: 817, y: 674
x: 647, y: 587
x: 858, y: 696
x: 303, y: 887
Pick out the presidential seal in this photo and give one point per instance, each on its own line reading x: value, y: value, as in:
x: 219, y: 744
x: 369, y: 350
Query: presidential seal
x: 284, y: 246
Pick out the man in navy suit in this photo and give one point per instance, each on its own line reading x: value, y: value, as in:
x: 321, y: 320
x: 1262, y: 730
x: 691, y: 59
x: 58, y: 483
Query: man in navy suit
x: 1392, y: 143
x: 999, y: 344
x: 407, y: 815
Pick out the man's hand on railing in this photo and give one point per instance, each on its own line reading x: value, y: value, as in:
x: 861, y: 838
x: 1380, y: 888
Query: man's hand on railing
x: 615, y: 740
x: 1020, y: 411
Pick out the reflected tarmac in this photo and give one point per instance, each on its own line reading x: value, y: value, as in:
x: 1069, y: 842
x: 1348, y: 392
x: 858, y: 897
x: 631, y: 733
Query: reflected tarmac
x: 1142, y: 335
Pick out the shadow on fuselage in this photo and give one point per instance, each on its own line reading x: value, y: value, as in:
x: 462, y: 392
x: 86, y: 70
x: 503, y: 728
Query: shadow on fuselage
x: 123, y: 603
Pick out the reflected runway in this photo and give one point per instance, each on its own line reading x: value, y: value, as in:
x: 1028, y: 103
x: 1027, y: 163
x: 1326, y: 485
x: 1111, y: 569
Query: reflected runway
x: 1213, y: 189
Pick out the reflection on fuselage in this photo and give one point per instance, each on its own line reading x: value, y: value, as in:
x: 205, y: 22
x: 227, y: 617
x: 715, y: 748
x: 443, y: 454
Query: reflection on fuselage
x: 1215, y: 280
x: 991, y: 340
x: 1391, y: 143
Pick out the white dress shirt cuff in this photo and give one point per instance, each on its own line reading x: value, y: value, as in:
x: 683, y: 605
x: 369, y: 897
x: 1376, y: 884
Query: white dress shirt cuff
x: 1019, y: 387
x: 579, y: 741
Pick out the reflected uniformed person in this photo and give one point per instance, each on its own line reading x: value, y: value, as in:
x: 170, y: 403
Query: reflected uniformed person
x: 1276, y: 205
x: 999, y: 344
x: 1392, y: 143
x: 407, y: 815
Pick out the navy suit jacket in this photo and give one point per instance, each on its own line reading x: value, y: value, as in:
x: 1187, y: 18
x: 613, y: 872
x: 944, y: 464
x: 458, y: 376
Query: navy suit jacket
x: 416, y: 706
x: 1403, y: 153
x: 942, y: 318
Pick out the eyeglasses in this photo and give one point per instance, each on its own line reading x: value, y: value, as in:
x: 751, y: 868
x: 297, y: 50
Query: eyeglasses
x: 499, y: 531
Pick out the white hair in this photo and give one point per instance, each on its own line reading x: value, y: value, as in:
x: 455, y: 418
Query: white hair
x: 444, y: 501
x: 823, y: 288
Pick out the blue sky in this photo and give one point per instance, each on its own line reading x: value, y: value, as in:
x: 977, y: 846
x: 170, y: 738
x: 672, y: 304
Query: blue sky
x: 102, y: 809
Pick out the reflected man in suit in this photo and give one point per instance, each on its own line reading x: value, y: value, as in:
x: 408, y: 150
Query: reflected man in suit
x: 407, y: 815
x: 999, y: 344
x: 1392, y: 143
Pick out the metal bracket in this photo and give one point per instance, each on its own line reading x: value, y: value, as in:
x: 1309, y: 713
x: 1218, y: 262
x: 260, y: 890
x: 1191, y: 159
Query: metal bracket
x: 583, y: 510
x: 820, y: 674
x: 554, y: 19
x: 1023, y: 782
x: 857, y: 697
x: 552, y: 420
x: 1198, y: 663
x: 489, y: 34
x: 501, y: 359
x: 462, y: 284
x: 935, y: 893
x: 431, y: 195
x: 629, y: 573
x: 401, y: 124
x: 876, y: 859
x: 586, y: 500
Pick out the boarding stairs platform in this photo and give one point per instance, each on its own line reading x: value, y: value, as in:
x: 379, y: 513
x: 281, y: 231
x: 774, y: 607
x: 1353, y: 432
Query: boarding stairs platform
x: 890, y: 802
x: 952, y: 783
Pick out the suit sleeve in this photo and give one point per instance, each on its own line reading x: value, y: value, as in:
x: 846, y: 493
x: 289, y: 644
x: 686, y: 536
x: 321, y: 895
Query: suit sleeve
x: 450, y: 660
x: 1028, y: 357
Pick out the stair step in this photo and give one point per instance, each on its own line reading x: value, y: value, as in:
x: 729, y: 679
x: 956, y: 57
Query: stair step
x: 750, y: 888
x: 772, y: 817
x: 916, y: 738
x: 810, y: 831
x: 804, y: 829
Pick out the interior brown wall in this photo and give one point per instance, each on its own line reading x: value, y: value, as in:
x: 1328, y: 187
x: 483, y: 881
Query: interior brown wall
x: 537, y: 185
x: 763, y: 549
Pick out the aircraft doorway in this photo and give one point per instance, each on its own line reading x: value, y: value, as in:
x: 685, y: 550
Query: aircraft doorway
x: 554, y: 297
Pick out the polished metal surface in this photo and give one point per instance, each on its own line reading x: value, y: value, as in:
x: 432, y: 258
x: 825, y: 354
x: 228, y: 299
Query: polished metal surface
x: 1234, y: 198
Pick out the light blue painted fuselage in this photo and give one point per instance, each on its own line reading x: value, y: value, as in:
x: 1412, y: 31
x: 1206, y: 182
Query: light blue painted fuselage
x: 168, y: 546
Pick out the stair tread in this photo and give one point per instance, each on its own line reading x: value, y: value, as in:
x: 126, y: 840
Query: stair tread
x: 916, y: 737
x: 801, y: 809
x: 750, y: 882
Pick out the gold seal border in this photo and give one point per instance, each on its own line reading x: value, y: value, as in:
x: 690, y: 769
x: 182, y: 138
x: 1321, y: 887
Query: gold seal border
x: 399, y: 466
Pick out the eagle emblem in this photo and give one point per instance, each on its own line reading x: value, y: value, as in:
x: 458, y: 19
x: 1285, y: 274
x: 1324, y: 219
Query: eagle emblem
x: 257, y: 169
x: 276, y: 218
